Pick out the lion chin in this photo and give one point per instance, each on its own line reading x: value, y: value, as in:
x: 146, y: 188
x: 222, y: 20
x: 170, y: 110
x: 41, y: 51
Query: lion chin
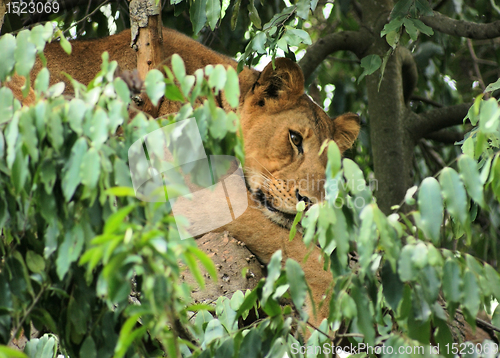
x: 284, y: 219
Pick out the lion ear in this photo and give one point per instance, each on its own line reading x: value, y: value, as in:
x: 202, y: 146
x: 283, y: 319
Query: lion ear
x: 346, y: 130
x: 285, y: 79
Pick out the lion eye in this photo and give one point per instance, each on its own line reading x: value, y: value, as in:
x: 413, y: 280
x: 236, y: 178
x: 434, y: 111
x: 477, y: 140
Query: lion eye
x: 296, y: 140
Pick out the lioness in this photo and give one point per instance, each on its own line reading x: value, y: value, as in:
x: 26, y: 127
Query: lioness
x: 283, y: 130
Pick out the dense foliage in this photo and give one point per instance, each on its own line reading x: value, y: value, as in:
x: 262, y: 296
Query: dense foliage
x: 79, y: 251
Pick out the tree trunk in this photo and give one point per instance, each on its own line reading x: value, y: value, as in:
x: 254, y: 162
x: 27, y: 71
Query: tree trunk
x: 392, y: 144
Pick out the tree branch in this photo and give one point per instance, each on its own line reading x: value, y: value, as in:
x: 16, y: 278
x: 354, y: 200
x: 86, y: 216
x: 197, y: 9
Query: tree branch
x: 354, y: 41
x: 445, y: 136
x: 437, y: 119
x: 472, y: 30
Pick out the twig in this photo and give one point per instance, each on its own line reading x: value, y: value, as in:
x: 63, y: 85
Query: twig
x: 476, y: 67
x: 415, y: 97
x: 86, y: 13
x: 483, y: 323
x: 86, y: 17
x: 28, y: 311
x: 344, y: 335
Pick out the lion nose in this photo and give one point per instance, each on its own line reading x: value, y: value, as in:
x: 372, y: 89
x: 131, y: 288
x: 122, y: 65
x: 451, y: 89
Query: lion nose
x: 305, y: 199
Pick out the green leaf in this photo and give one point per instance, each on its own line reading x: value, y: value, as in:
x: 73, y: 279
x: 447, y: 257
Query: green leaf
x: 76, y: 112
x: 298, y: 286
x: 178, y: 67
x: 451, y: 281
x: 97, y: 128
x: 430, y: 284
x: 251, y: 344
x: 55, y: 131
x: 392, y: 286
x: 128, y: 335
x: 213, y: 331
x: 489, y: 115
x: 50, y: 238
x: 69, y: 250
x: 122, y: 90
x: 24, y: 54
x: 5, y: 294
x: 56, y: 90
x: 6, y: 104
x: 234, y: 16
x: 198, y: 15
x: 254, y: 14
x: 42, y: 80
x: 472, y: 299
x: 66, y: 46
x: 217, y: 78
x: 155, y: 85
x: 11, y: 135
x: 354, y: 176
x: 259, y: 42
x: 39, y: 36
x: 454, y: 194
x: 6, y: 352
x: 232, y: 88
x: 88, y: 348
x: 205, y: 261
x: 370, y: 64
x: 494, y: 279
x: 364, y: 318
x: 423, y: 28
x: 115, y: 219
x: 303, y: 7
x: 213, y: 12
x: 490, y: 88
x: 226, y: 349
x: 19, y: 171
x: 7, y: 59
x: 71, y: 172
x: 296, y: 220
x: 393, y: 26
x: 401, y: 9
x: 411, y: 29
x: 90, y: 168
x: 300, y: 34
x: 35, y: 262
x: 29, y: 136
x: 406, y: 269
x: 273, y: 273
x: 430, y: 205
x: 469, y: 173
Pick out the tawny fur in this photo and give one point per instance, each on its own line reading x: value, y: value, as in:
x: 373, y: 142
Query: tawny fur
x: 272, y: 104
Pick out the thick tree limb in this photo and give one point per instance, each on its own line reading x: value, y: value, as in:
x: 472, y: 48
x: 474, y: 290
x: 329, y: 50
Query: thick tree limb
x: 445, y: 136
x: 437, y: 119
x: 472, y: 30
x: 354, y: 41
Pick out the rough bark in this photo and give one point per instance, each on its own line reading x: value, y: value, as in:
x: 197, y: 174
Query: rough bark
x: 3, y: 9
x: 392, y: 144
x: 354, y: 41
x: 437, y: 119
x: 146, y: 34
x: 460, y: 28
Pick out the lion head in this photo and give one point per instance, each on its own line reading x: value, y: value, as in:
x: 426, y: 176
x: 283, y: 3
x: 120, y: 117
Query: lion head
x: 283, y: 130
